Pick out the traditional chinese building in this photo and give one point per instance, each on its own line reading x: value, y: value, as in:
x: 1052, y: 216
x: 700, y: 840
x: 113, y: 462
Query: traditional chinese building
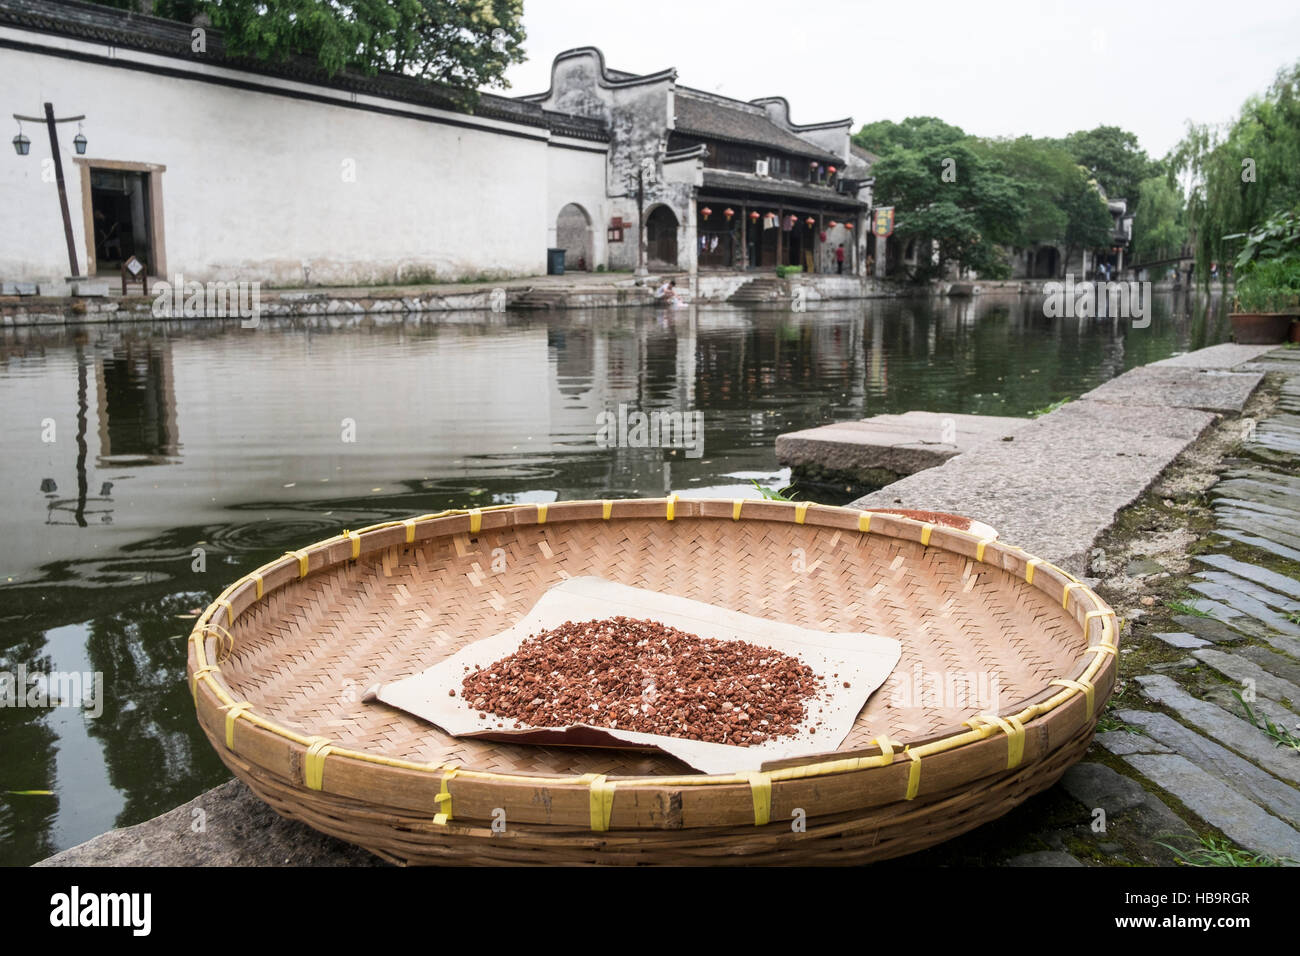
x: 724, y: 184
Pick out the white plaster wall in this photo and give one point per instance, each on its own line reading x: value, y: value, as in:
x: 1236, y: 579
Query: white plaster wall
x: 255, y: 185
x: 578, y: 176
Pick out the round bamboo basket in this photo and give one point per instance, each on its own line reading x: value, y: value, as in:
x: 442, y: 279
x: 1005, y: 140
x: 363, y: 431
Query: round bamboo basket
x: 279, y: 662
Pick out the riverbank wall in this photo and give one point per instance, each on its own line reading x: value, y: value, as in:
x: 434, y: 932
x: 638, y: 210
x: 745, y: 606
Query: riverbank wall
x: 572, y: 291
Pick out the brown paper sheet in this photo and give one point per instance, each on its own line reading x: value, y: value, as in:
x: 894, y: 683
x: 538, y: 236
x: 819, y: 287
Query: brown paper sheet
x: 862, y: 660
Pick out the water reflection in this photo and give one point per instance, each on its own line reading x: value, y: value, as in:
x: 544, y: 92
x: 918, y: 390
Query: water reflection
x: 103, y: 523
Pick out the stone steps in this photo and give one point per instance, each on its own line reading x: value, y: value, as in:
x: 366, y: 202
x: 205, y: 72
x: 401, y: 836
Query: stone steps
x: 1220, y: 725
x: 1224, y: 768
x: 761, y: 289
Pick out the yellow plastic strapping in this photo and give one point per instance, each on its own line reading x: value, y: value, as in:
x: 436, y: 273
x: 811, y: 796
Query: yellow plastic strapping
x: 1105, y: 625
x: 302, y: 561
x: 444, y: 799
x: 409, y: 523
x: 913, y: 776
x: 1015, y: 732
x: 541, y: 514
x: 1029, y: 569
x: 864, y: 521
x: 886, y: 750
x: 1089, y: 691
x: 230, y: 611
x: 232, y: 714
x: 356, y: 543
x: 760, y: 788
x: 672, y: 506
x: 199, y: 674
x: 602, y: 802
x: 314, y: 762
x: 1065, y: 595
x: 259, y: 585
x: 736, y: 505
x: 606, y: 509
x: 979, y: 552
x: 800, y: 512
x: 1101, y: 649
x: 925, y: 534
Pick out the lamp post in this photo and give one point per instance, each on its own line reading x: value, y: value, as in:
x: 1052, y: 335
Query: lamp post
x: 22, y: 146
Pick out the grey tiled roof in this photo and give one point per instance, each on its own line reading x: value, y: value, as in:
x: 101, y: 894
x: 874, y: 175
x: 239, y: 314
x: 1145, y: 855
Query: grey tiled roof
x: 808, y: 192
x: 715, y: 120
x: 87, y: 21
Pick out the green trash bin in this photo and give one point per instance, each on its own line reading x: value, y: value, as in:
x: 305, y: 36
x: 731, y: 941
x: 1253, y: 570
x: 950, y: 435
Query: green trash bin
x: 555, y: 262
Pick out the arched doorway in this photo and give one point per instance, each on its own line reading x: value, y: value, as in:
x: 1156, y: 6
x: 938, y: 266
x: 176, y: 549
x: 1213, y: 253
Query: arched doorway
x: 661, y: 238
x: 573, y: 235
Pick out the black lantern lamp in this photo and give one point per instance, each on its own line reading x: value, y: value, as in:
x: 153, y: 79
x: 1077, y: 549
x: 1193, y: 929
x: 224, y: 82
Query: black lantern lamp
x: 22, y: 145
x: 79, y: 141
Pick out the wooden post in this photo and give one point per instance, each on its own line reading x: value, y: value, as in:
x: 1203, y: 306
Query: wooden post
x: 780, y: 239
x: 63, y: 190
x: 744, y: 237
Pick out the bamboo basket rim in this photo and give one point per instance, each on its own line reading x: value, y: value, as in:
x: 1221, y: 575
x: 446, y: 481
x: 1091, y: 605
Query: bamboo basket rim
x: 210, y: 642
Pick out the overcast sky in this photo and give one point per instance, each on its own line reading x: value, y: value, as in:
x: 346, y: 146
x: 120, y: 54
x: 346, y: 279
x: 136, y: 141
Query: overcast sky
x: 996, y: 68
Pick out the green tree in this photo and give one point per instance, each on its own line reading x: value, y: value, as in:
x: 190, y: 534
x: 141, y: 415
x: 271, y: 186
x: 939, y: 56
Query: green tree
x: 1159, y: 228
x: 949, y: 194
x: 463, y: 44
x: 915, y: 132
x: 1088, y: 220
x: 1242, y: 172
x: 1044, y: 171
x: 1114, y: 158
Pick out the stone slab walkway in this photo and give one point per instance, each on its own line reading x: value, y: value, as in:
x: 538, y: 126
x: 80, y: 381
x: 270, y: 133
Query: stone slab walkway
x: 1061, y: 479
x: 884, y: 448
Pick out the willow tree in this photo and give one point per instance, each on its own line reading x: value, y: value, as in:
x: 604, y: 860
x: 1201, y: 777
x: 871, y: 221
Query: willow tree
x: 1159, y: 225
x: 1243, y: 171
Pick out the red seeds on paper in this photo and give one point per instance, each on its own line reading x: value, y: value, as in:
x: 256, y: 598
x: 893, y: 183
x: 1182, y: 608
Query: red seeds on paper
x: 644, y: 676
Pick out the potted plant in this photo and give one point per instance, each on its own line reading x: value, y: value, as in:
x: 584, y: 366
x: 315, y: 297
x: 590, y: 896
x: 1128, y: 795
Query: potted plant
x: 1267, y: 302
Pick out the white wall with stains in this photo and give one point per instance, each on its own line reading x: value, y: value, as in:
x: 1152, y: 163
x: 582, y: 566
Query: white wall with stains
x: 288, y: 184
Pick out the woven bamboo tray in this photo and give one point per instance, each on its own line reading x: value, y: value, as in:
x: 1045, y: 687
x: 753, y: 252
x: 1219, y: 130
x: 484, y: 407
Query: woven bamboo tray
x: 279, y: 662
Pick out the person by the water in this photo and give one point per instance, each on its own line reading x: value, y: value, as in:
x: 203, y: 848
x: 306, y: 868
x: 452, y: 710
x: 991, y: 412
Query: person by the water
x: 667, y: 293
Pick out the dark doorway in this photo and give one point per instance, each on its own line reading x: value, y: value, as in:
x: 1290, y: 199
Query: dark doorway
x: 1046, y: 263
x: 120, y: 205
x: 718, y: 242
x: 661, y: 238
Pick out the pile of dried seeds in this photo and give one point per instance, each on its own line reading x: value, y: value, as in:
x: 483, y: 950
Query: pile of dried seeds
x: 644, y: 676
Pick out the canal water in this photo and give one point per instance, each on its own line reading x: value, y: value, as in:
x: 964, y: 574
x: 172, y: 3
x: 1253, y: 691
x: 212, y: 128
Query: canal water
x: 145, y: 466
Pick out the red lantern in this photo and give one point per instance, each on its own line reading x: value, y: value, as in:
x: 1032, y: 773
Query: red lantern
x: 848, y: 225
x: 831, y: 170
x: 822, y: 235
x: 814, y: 164
x: 832, y: 224
x: 753, y: 216
x: 728, y: 212
x: 811, y: 222
x: 705, y: 213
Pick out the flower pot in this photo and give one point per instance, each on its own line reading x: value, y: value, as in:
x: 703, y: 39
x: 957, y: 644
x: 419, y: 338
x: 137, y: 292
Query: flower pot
x: 1260, y: 328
